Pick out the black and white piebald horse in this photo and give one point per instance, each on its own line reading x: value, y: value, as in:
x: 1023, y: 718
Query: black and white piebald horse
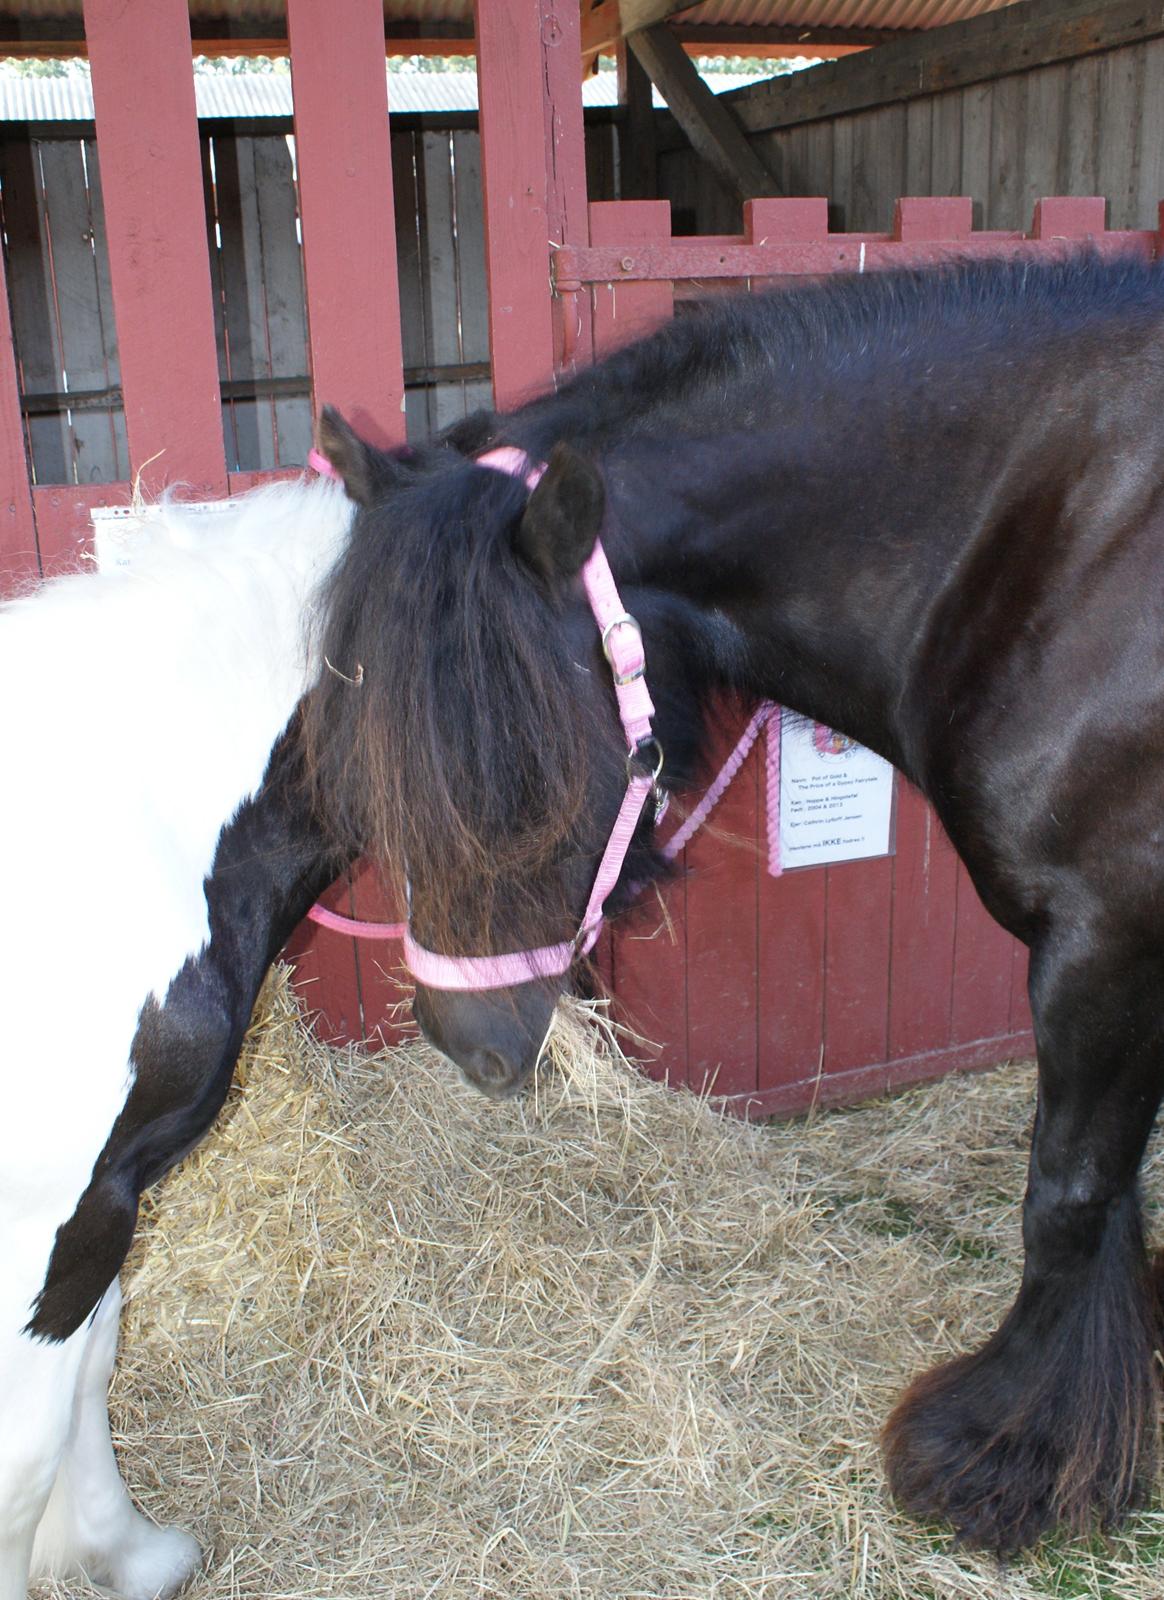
x: 159, y: 852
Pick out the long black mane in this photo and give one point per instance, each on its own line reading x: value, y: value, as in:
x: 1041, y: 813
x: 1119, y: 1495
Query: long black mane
x: 464, y: 755
x: 718, y: 364
x: 461, y: 754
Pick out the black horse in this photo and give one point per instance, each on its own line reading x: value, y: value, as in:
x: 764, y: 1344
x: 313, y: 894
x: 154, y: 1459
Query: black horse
x: 928, y: 509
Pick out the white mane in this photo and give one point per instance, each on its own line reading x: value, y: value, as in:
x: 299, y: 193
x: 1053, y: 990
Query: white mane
x: 139, y: 707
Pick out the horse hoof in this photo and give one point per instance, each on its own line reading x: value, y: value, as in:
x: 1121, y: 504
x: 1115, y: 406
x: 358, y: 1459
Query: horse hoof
x: 154, y: 1563
x: 961, y: 1447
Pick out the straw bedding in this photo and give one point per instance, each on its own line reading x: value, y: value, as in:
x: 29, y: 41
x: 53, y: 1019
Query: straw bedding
x: 385, y: 1338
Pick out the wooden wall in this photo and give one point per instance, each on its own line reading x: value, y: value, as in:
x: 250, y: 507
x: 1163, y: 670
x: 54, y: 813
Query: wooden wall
x: 1094, y: 126
x: 65, y: 330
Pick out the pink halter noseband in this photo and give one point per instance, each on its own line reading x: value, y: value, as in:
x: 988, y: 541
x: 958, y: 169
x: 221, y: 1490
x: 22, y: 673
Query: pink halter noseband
x: 622, y: 644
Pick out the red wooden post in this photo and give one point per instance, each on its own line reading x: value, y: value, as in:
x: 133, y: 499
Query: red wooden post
x: 783, y: 221
x: 533, y: 162
x: 18, y: 547
x: 625, y: 311
x: 151, y: 176
x: 926, y: 218
x: 649, y: 951
x: 340, y: 94
x: 1069, y: 217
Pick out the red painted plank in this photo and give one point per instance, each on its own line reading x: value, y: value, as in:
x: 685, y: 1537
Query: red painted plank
x: 786, y: 221
x: 327, y: 971
x: 244, y: 482
x: 857, y: 964
x: 151, y: 178
x: 734, y: 257
x: 340, y: 94
x: 933, y: 217
x: 925, y: 871
x: 18, y: 551
x: 983, y: 958
x: 790, y: 960
x: 722, y: 914
x: 649, y: 977
x: 1069, y: 217
x: 626, y: 311
x: 385, y: 984
x: 515, y: 150
x: 864, y: 1083
x: 63, y: 529
x: 1020, y: 1005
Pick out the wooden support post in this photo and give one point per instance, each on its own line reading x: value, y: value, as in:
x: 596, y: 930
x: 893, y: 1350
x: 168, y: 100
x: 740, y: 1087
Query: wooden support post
x: 158, y: 256
x: 712, y: 130
x: 340, y: 91
x: 18, y: 544
x: 534, y: 162
x: 638, y: 158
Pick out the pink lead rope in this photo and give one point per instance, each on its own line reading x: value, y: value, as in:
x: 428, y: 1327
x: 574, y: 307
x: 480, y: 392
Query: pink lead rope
x: 623, y: 647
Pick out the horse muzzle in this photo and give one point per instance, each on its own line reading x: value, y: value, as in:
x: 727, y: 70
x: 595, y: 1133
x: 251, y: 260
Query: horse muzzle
x: 496, y: 1038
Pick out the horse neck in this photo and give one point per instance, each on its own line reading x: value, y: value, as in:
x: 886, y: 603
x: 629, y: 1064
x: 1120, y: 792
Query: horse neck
x: 789, y: 570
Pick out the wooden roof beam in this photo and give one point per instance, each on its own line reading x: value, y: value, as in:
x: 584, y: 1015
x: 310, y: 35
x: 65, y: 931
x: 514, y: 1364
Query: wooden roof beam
x: 604, y: 30
x: 710, y: 127
x: 1016, y: 38
x: 605, y: 23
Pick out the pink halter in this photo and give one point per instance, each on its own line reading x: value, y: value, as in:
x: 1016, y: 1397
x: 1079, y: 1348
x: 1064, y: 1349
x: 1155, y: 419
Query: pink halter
x: 622, y: 644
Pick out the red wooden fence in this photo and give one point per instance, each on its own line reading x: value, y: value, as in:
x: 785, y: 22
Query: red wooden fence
x: 825, y: 983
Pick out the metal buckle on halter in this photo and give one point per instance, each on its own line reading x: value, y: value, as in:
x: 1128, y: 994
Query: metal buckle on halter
x: 624, y: 621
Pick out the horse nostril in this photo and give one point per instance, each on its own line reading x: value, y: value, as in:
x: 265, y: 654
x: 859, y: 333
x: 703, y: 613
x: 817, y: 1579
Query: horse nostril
x: 489, y: 1066
x: 491, y: 1072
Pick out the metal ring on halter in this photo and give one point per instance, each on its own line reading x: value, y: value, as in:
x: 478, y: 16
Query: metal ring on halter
x: 635, y: 760
x: 625, y: 621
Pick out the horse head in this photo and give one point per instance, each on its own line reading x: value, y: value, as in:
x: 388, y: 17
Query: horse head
x: 480, y: 756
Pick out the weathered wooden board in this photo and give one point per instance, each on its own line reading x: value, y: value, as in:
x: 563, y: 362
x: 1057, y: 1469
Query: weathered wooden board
x: 1093, y: 125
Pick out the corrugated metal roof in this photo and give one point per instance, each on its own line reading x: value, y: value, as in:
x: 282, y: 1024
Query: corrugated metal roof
x: 837, y: 13
x: 270, y: 15
x: 268, y: 94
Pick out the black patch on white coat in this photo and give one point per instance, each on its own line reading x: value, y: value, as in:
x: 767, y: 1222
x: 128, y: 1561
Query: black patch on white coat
x: 269, y: 867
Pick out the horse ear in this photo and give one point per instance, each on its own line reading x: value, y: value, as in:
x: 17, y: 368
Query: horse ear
x: 364, y: 471
x: 563, y: 516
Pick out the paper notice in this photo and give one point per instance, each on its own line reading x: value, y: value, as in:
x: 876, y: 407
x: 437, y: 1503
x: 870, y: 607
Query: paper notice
x: 836, y: 797
x: 120, y: 532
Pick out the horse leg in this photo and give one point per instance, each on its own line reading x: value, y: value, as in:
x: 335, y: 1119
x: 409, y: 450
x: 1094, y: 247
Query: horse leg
x: 90, y: 1527
x: 37, y: 1380
x: 1053, y: 1420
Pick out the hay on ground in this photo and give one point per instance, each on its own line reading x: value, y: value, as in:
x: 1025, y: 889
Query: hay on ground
x: 385, y: 1338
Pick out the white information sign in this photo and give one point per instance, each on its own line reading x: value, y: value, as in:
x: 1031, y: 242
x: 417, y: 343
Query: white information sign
x: 836, y: 797
x: 119, y: 531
